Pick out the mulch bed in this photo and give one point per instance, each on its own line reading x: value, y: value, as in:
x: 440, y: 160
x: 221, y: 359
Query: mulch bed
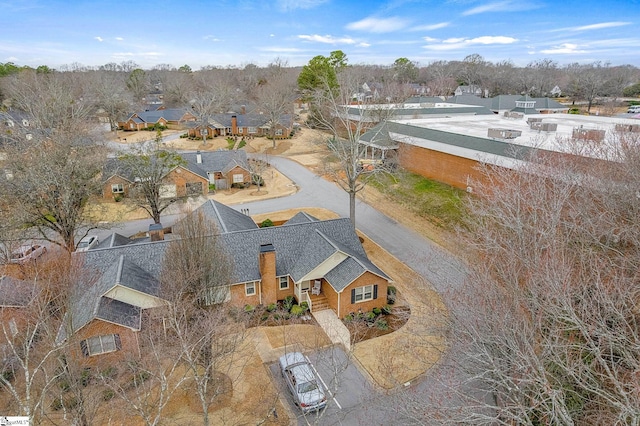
x: 361, y: 329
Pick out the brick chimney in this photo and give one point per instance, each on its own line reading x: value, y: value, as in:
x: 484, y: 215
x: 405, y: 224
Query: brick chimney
x: 156, y: 232
x: 267, y: 263
x: 234, y: 125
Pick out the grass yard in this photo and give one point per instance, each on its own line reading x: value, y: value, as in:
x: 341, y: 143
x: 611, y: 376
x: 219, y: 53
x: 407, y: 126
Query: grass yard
x: 440, y: 204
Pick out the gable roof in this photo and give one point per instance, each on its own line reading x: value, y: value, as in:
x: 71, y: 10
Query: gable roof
x: 226, y: 218
x: 216, y: 161
x: 169, y: 114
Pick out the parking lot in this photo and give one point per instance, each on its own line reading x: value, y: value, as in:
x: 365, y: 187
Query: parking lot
x: 346, y: 388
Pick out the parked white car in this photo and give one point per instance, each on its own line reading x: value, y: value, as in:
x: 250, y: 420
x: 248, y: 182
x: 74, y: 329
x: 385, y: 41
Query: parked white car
x: 633, y: 109
x: 26, y: 253
x: 302, y: 382
x: 87, y: 243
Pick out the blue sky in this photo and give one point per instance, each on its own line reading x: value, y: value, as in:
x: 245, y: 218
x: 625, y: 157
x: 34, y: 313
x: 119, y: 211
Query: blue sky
x: 239, y: 32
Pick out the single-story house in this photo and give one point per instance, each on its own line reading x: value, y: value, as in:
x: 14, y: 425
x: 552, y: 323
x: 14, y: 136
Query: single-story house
x: 321, y: 262
x: 223, y: 168
x: 173, y: 118
x: 243, y: 125
x: 182, y: 181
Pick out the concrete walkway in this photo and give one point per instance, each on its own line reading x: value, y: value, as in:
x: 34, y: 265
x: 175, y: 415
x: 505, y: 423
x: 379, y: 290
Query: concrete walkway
x: 335, y: 329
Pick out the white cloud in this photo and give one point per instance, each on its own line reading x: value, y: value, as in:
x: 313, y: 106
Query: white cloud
x: 460, y: 43
x: 210, y: 38
x: 501, y: 6
x: 280, y: 49
x: 287, y: 5
x: 564, y: 48
x: 363, y: 44
x: 599, y: 26
x: 327, y: 39
x: 119, y: 39
x: 431, y: 27
x: 377, y: 25
x: 100, y: 39
x: 430, y: 39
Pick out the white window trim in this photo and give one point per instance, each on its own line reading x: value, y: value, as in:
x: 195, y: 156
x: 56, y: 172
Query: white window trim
x: 105, y: 338
x: 238, y: 178
x: 250, y: 289
x: 252, y: 129
x: 281, y: 280
x: 279, y: 132
x: 117, y: 188
x: 362, y: 292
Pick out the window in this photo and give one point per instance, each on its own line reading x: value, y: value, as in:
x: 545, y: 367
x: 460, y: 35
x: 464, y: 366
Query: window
x: 250, y: 289
x: 284, y: 283
x: 117, y: 188
x: 252, y: 130
x: 278, y: 132
x: 100, y: 344
x: 238, y: 178
x: 364, y: 293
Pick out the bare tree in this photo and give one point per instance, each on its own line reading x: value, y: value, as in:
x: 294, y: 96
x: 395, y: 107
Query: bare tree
x: 51, y: 178
x: 346, y: 121
x: 149, y: 164
x: 546, y: 326
x: 28, y: 333
x: 196, y: 278
x: 110, y: 95
x: 275, y: 98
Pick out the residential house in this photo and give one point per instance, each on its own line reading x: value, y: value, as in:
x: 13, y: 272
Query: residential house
x: 320, y: 262
x: 223, y: 168
x: 243, y: 125
x: 181, y: 181
x: 468, y: 90
x: 173, y: 118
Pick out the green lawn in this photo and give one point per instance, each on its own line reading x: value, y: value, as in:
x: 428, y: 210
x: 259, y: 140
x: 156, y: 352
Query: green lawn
x: 440, y: 204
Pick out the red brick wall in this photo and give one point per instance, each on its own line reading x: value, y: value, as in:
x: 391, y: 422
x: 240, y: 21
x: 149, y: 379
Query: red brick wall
x: 128, y: 339
x: 449, y: 169
x: 180, y: 177
x: 238, y: 297
x: 246, y: 176
x: 269, y: 282
x: 107, y: 194
x: 345, y: 296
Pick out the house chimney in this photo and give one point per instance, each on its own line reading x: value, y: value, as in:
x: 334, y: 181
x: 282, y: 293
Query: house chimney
x: 198, y: 157
x: 234, y: 125
x: 267, y: 263
x: 243, y: 110
x: 156, y: 232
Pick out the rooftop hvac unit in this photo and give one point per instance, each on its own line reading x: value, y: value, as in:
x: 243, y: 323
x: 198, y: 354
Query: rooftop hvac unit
x: 504, y: 133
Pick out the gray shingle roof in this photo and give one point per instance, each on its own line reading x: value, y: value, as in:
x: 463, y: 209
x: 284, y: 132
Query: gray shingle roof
x: 301, y: 217
x: 226, y: 218
x: 216, y: 161
x: 119, y: 312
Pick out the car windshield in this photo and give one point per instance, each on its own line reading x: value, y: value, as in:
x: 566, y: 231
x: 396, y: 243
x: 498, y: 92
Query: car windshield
x: 307, y: 386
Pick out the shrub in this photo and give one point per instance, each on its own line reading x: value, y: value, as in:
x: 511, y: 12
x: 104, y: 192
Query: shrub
x: 297, y: 310
x: 382, y: 324
x: 266, y: 223
x: 212, y: 187
x: 391, y: 290
x: 108, y: 394
x: 386, y: 309
x: 369, y: 316
x: 264, y: 317
x: 348, y: 318
x: 248, y: 308
x: 117, y: 198
x: 305, y: 306
x: 272, y: 307
x: 288, y: 303
x: 377, y: 311
x: 391, y: 299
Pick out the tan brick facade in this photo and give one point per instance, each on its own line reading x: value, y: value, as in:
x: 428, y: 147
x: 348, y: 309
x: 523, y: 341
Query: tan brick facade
x: 181, y: 177
x: 107, y: 188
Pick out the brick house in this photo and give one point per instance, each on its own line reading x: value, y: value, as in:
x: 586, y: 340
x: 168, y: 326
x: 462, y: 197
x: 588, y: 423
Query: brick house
x: 223, y: 168
x: 243, y: 125
x: 173, y: 118
x: 320, y: 262
x: 181, y: 181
